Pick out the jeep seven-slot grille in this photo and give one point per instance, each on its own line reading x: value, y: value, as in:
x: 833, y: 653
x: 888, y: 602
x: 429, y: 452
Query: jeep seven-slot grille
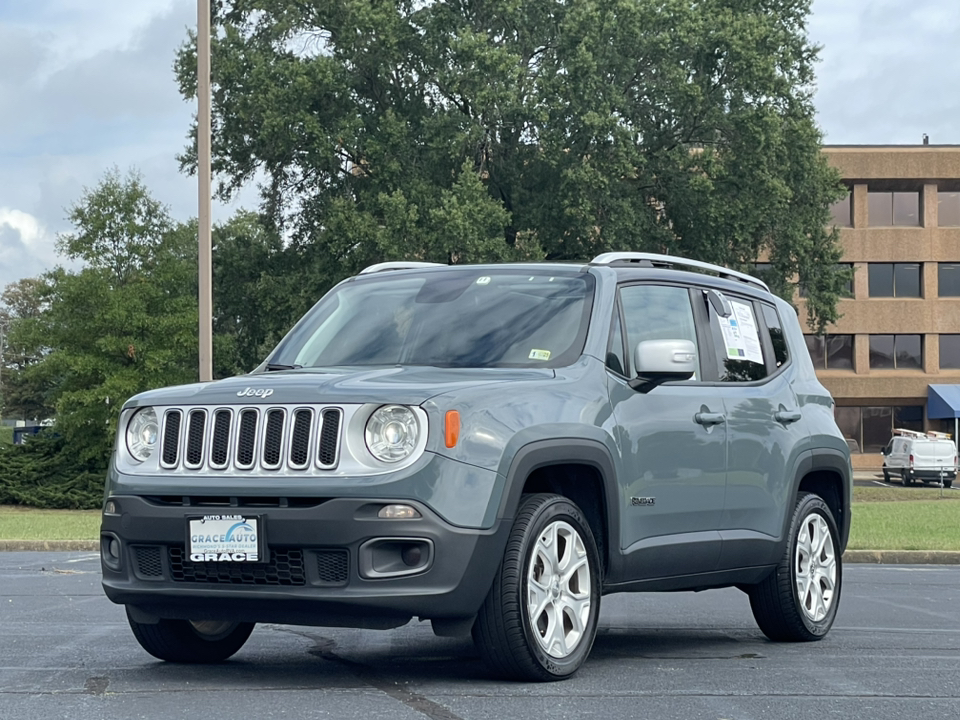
x: 171, y: 438
x: 248, y: 438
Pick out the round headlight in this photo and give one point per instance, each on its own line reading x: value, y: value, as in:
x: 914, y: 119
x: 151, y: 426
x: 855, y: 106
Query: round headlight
x: 392, y: 433
x: 143, y: 432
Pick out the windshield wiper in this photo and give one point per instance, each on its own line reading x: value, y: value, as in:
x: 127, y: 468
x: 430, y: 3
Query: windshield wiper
x: 278, y: 366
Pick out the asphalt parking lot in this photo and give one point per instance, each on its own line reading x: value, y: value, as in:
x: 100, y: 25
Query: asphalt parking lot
x: 894, y: 653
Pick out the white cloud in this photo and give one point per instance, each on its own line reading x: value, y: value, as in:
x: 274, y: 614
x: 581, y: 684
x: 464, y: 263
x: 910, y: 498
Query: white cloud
x: 27, y: 226
x: 26, y: 247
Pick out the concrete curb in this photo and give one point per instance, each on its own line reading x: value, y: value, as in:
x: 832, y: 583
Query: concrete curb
x: 903, y: 557
x: 884, y: 557
x: 49, y: 546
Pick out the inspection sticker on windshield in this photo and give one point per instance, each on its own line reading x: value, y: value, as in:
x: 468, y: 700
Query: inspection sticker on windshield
x: 224, y: 538
x: 539, y: 355
x: 483, y: 280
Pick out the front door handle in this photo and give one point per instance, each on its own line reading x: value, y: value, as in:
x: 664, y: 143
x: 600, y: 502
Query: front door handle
x: 786, y: 416
x: 709, y: 418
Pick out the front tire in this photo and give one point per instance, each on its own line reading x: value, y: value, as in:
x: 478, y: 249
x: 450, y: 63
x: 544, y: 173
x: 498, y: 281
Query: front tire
x: 539, y: 620
x: 191, y: 641
x: 886, y: 476
x: 798, y: 601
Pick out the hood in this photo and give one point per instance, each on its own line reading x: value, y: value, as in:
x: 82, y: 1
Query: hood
x: 402, y: 385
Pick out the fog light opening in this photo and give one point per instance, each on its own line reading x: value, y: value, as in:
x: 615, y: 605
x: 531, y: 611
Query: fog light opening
x: 412, y: 555
x: 110, y: 551
x: 382, y: 558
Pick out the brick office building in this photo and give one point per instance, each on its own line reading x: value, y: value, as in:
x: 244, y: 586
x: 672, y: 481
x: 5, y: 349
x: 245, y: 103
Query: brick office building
x: 893, y: 358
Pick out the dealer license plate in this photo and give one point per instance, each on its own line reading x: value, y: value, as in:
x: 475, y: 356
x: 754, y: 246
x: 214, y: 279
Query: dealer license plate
x: 224, y: 538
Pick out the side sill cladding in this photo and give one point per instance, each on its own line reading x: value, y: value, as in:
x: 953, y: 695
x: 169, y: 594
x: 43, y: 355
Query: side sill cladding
x: 570, y: 451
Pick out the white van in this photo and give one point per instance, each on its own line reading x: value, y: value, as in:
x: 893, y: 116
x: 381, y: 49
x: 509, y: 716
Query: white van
x: 915, y: 456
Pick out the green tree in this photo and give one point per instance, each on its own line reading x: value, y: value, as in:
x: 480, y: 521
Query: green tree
x: 468, y: 131
x: 256, y: 299
x: 123, y: 323
x: 21, y: 305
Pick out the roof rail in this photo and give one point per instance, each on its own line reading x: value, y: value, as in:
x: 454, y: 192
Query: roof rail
x: 657, y: 260
x: 398, y: 265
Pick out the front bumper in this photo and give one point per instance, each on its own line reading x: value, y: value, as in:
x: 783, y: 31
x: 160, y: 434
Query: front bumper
x: 317, y: 569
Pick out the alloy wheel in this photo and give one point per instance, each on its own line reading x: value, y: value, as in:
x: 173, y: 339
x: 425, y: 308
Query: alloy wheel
x: 558, y: 589
x: 815, y: 567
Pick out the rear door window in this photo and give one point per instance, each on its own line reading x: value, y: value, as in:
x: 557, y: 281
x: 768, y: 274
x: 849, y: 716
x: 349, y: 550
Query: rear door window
x: 737, y: 340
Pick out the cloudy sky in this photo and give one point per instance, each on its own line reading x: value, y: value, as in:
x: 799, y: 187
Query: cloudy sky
x: 86, y: 86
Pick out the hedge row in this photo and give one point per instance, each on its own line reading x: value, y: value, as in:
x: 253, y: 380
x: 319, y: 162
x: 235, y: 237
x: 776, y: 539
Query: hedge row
x: 41, y: 473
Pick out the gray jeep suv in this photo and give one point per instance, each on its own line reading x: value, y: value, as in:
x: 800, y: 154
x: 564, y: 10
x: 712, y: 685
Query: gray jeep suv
x: 491, y: 448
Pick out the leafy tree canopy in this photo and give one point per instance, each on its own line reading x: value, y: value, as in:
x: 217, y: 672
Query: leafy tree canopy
x: 123, y: 323
x: 505, y: 129
x: 21, y: 304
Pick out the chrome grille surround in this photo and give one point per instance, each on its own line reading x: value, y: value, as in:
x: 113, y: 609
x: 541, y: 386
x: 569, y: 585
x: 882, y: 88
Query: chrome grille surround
x: 267, y: 438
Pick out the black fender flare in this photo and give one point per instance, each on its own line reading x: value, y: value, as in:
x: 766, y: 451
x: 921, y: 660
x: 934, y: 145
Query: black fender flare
x: 831, y: 460
x: 562, y: 451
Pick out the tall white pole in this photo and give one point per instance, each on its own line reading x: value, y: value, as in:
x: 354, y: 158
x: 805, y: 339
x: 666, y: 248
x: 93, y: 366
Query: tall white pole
x: 3, y: 398
x: 205, y: 256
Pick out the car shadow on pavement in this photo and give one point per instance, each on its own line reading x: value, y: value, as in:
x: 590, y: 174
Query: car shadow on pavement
x: 388, y: 663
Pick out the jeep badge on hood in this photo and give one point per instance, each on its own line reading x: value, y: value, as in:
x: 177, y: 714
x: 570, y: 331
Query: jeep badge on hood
x: 260, y: 393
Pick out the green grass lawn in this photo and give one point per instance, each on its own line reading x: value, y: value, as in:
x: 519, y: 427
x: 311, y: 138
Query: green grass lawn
x: 883, y: 519
x: 905, y: 519
x: 19, y: 523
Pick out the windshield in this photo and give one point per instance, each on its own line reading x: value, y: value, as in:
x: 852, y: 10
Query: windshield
x: 471, y: 317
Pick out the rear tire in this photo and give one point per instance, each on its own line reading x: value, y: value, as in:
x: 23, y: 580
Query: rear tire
x: 539, y: 619
x: 190, y: 641
x: 798, y: 601
x: 904, y: 480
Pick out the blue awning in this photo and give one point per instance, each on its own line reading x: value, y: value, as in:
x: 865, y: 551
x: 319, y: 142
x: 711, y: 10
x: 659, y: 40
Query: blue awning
x: 943, y: 401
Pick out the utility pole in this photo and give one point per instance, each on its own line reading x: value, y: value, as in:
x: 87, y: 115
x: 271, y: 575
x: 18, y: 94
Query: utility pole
x: 3, y: 339
x: 205, y: 254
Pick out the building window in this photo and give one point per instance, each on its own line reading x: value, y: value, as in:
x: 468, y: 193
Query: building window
x: 948, y: 279
x: 845, y: 292
x: 950, y: 352
x: 869, y: 429
x: 877, y: 424
x: 894, y: 279
x: 948, y: 209
x: 901, y: 352
x: 893, y: 209
x: 841, y: 213
x: 762, y: 271
x: 830, y: 352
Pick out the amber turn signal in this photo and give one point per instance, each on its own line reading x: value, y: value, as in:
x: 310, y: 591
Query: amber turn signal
x: 451, y: 428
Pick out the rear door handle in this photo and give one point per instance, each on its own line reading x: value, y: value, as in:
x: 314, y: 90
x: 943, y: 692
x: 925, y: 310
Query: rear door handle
x: 786, y: 416
x: 709, y: 418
